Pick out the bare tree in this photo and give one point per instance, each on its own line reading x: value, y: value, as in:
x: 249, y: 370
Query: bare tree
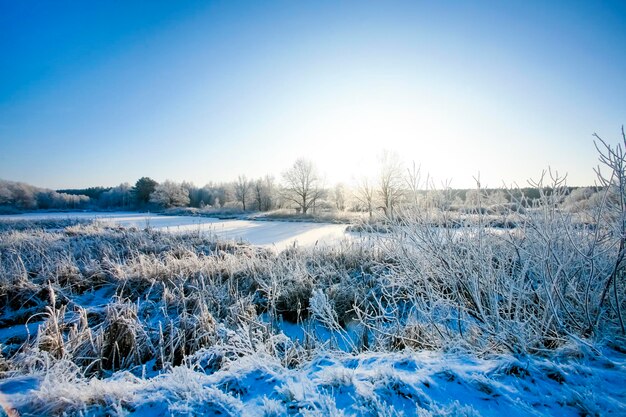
x: 302, y: 184
x: 263, y: 193
x: 365, y: 194
x: 413, y: 180
x: 390, y: 185
x: 243, y: 189
x: 258, y: 193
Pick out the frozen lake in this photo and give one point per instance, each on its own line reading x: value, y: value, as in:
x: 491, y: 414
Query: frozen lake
x: 275, y: 234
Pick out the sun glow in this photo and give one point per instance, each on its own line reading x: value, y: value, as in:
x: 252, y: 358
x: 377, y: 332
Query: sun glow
x: 347, y: 136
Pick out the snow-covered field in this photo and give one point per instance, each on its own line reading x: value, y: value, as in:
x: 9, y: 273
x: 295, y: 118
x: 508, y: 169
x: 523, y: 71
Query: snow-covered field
x: 275, y: 234
x: 98, y: 320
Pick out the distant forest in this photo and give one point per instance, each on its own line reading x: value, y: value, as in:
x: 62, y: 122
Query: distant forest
x: 18, y: 197
x: 301, y: 188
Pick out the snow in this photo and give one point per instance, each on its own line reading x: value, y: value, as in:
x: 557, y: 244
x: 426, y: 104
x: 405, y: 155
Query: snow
x: 272, y: 234
x: 332, y: 379
x: 403, y: 383
x: 19, y: 331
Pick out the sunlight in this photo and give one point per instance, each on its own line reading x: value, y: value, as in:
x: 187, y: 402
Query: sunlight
x: 347, y: 137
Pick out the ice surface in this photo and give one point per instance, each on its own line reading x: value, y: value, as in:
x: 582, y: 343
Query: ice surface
x: 276, y: 234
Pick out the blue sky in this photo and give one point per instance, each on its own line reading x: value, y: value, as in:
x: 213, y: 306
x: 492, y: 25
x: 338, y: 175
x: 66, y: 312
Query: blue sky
x: 98, y: 93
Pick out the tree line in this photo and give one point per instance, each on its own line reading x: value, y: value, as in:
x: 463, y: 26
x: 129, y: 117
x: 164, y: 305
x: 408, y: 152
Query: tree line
x: 301, y: 187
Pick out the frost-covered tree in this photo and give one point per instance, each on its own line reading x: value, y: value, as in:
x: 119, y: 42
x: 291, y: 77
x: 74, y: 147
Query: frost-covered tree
x: 497, y: 197
x: 582, y: 198
x: 170, y: 194
x: 243, y: 190
x: 225, y: 194
x: 201, y: 196
x: 365, y: 193
x: 6, y: 196
x: 25, y: 196
x: 480, y: 197
x: 264, y: 191
x: 206, y: 196
x: 302, y: 184
x: 120, y: 196
x: 473, y: 197
x: 339, y: 194
x: 390, y: 182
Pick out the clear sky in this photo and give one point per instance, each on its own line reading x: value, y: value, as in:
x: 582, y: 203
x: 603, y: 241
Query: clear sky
x: 99, y: 93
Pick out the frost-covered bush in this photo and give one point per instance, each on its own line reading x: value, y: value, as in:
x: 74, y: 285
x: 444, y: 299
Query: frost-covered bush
x: 557, y: 275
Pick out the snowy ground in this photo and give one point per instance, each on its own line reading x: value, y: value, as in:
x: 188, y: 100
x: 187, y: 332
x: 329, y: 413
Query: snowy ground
x: 370, y: 384
x: 253, y: 365
x: 275, y: 234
